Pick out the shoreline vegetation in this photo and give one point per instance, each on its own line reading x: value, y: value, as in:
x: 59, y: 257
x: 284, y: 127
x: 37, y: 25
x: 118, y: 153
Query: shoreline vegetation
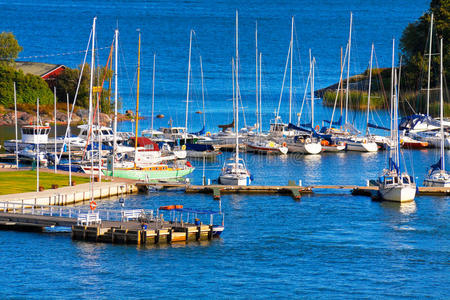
x: 410, y: 101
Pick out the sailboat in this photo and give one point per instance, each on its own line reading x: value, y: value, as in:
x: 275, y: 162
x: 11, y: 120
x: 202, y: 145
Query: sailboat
x: 438, y: 176
x: 147, y: 162
x: 234, y: 171
x: 259, y: 142
x: 395, y: 185
x: 304, y: 141
x: 366, y: 143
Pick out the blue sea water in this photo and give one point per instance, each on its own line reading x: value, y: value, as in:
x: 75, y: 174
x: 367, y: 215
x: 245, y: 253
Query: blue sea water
x: 328, y: 245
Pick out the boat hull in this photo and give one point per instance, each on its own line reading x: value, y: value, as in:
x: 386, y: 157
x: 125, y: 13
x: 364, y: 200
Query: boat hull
x: 309, y: 148
x: 398, y: 193
x: 267, y: 150
x: 234, y: 180
x: 361, y: 147
x: 149, y: 174
x: 335, y: 148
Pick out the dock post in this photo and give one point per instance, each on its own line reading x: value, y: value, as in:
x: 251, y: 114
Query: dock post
x: 216, y: 193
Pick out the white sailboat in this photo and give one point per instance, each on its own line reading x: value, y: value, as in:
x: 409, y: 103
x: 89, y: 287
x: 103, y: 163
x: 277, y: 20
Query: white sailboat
x: 438, y: 176
x: 305, y: 143
x: 357, y: 143
x: 395, y: 185
x: 234, y: 171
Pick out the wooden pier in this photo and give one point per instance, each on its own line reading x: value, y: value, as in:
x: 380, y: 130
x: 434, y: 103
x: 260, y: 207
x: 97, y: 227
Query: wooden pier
x: 291, y: 189
x: 139, y: 227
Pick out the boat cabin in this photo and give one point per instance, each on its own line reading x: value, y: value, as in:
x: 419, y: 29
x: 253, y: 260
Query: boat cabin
x: 35, y: 134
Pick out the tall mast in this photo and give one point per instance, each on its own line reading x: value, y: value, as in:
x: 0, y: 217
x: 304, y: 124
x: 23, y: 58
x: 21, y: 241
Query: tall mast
x: 203, y: 94
x: 116, y: 68
x: 38, y: 131
x: 441, y: 96
x: 68, y: 144
x: 368, y: 93
x: 260, y: 94
x: 188, y: 84
x: 137, y: 100
x: 15, y: 123
x: 392, y: 94
x: 348, y: 68
x: 341, y: 90
x: 236, y: 69
x: 91, y: 82
x: 256, y: 76
x: 312, y: 91
x: 54, y: 98
x: 429, y: 65
x: 290, y: 76
x: 396, y: 135
x: 153, y: 90
x: 91, y: 121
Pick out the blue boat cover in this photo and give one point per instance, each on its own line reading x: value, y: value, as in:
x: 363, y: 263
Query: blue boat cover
x: 95, y: 146
x: 377, y: 127
x: 337, y: 123
x: 201, y: 132
x: 199, y: 147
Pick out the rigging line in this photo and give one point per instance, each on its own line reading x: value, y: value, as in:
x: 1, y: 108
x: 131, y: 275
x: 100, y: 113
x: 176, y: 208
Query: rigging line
x: 76, y: 93
x: 282, y: 85
x: 57, y: 54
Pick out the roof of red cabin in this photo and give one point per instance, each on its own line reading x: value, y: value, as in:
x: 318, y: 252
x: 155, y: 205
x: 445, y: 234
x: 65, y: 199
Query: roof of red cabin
x: 144, y: 141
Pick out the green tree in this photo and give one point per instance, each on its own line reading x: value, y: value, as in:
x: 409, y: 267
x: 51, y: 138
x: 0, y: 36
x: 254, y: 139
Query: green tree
x: 414, y: 46
x: 9, y: 48
x: 29, y: 87
x: 67, y: 83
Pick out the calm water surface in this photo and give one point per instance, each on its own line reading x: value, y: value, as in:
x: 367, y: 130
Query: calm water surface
x: 329, y: 245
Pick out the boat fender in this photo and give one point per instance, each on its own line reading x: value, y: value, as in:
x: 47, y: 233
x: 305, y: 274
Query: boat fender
x: 308, y: 140
x: 188, y: 164
x: 93, y: 205
x: 364, y: 141
x: 183, y: 147
x: 284, y: 144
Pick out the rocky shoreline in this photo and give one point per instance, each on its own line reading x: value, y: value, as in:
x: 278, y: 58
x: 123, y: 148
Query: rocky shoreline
x: 80, y: 116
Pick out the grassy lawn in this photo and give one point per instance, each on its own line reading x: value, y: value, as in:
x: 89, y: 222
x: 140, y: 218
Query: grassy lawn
x: 25, y: 181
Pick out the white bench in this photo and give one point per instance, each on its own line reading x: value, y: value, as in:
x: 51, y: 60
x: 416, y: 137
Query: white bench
x: 88, y: 219
x: 131, y: 214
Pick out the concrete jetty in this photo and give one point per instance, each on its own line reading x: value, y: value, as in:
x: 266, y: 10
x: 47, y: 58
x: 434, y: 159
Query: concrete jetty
x: 72, y: 194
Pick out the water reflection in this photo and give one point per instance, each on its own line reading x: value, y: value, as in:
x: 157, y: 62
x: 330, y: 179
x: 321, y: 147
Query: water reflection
x: 405, y: 209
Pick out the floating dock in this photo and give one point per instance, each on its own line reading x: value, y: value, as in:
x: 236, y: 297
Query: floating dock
x: 137, y: 226
x: 296, y: 191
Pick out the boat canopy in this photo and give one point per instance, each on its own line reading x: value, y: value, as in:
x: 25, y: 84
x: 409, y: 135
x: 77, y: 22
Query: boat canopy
x: 144, y: 142
x: 201, y: 132
x: 337, y: 123
x: 409, y: 122
x: 199, y: 147
x: 377, y: 127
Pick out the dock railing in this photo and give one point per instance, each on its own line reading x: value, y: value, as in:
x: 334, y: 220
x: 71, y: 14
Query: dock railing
x: 67, y: 212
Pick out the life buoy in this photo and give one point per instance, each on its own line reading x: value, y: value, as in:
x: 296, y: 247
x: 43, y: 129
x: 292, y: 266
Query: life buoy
x: 188, y: 164
x: 317, y: 128
x: 183, y: 147
x: 284, y: 144
x: 168, y: 207
x: 208, y: 134
x: 93, y: 205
